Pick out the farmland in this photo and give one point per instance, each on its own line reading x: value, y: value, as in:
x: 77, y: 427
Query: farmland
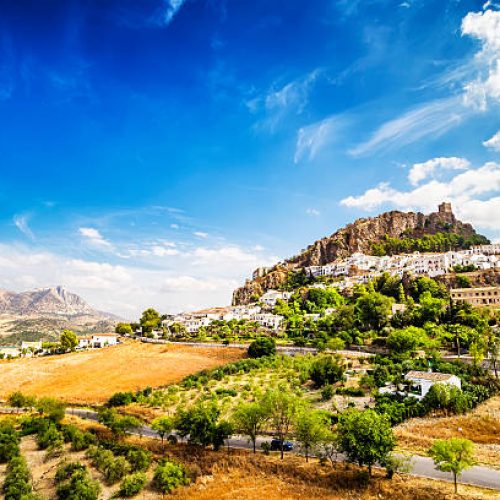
x: 90, y: 377
x: 481, y: 426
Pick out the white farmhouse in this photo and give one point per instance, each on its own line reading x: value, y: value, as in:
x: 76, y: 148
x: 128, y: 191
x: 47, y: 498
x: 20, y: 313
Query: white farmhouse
x: 84, y: 342
x: 421, y: 382
x: 104, y: 339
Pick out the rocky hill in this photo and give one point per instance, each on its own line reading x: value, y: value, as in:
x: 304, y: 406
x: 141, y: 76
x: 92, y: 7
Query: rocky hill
x: 55, y: 301
x: 364, y: 235
x: 44, y: 312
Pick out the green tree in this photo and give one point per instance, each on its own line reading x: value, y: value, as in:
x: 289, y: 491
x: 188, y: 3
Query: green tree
x: 283, y: 407
x: 20, y: 400
x: 124, y: 329
x: 68, y: 340
x: 453, y: 455
x: 406, y: 341
x: 149, y: 320
x: 372, y: 310
x: 327, y: 370
x: 51, y: 408
x: 250, y: 418
x: 263, y: 346
x: 311, y: 428
x: 119, y: 425
x: 365, y: 437
x: 163, y: 426
x: 201, y: 423
x: 79, y: 486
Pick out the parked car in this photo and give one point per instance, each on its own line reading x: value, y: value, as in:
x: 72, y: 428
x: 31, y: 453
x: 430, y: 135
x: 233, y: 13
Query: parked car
x: 276, y: 445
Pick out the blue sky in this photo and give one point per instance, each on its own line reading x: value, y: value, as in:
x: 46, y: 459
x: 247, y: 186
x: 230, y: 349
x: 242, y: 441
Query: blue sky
x: 155, y: 152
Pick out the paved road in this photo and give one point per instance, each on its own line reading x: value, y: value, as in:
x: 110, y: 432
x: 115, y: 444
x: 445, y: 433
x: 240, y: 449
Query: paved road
x: 421, y: 466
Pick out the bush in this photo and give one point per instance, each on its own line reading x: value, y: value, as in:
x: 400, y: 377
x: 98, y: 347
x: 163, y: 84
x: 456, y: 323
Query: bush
x: 121, y: 399
x: 48, y: 436
x: 112, y: 468
x: 327, y: 370
x: 139, y: 460
x: 327, y: 392
x: 79, y: 440
x: 17, y: 484
x: 67, y: 469
x: 133, y: 484
x: 355, y: 392
x: 263, y: 346
x: 168, y: 476
x: 79, y: 486
x: 9, y: 442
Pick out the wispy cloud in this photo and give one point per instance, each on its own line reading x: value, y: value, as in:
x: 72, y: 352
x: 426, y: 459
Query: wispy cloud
x: 493, y: 143
x: 200, y: 234
x: 94, y: 237
x: 21, y: 221
x: 313, y: 212
x: 170, y: 9
x: 427, y: 120
x: 313, y: 138
x: 282, y: 101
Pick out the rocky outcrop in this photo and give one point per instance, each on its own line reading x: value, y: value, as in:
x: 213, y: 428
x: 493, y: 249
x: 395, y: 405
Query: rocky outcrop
x: 56, y: 301
x: 357, y: 237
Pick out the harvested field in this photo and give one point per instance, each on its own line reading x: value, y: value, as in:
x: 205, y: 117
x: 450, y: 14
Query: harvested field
x: 91, y: 377
x: 482, y: 426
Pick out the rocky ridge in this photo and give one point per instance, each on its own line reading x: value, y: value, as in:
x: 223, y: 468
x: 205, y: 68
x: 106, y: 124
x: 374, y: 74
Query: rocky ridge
x: 358, y: 236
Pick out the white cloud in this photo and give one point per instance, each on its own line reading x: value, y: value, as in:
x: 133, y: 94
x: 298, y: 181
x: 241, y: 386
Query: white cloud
x: 312, y: 211
x: 280, y: 103
x: 161, y: 251
x: 312, y: 138
x: 94, y: 237
x: 421, y: 171
x: 494, y: 142
x: 171, y: 8
x: 174, y: 226
x: 484, y: 26
x: 474, y: 194
x: 433, y: 118
x: 22, y: 223
x: 200, y: 234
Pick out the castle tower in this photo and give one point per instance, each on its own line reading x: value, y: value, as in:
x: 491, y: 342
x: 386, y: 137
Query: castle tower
x: 445, y: 208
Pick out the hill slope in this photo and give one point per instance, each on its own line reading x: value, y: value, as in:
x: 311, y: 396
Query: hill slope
x: 367, y: 235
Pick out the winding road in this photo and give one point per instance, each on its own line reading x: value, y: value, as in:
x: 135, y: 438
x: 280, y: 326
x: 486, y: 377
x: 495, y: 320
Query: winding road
x: 421, y: 466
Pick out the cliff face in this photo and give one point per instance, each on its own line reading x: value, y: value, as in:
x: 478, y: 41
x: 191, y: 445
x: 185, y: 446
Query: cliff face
x: 358, y: 237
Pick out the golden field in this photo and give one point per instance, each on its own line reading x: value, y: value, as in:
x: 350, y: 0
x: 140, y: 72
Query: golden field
x: 91, y: 377
x: 481, y: 426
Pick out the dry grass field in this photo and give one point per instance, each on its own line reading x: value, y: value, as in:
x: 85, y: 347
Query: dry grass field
x: 482, y: 426
x: 90, y: 377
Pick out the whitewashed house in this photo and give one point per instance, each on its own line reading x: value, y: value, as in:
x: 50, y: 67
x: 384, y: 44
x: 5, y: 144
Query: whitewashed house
x: 421, y: 382
x: 272, y: 321
x: 272, y: 296
x: 9, y: 352
x: 84, y: 342
x: 104, y: 339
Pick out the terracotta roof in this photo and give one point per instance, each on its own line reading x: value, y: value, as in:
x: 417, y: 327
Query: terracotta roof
x: 433, y: 376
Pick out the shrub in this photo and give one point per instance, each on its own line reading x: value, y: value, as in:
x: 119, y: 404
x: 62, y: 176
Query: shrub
x: 263, y: 346
x: 168, y: 476
x: 139, y: 460
x: 79, y: 486
x: 327, y: 370
x: 115, y: 469
x: 67, y: 469
x: 9, y: 442
x: 121, y: 399
x: 49, y: 436
x: 17, y: 484
x: 327, y: 392
x: 351, y: 391
x: 133, y: 484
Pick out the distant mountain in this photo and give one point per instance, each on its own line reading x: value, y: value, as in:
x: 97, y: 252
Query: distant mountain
x: 51, y: 302
x: 372, y: 235
x: 41, y: 315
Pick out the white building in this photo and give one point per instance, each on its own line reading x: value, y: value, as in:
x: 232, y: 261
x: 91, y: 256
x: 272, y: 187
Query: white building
x: 272, y: 296
x: 9, y: 352
x: 97, y: 340
x: 421, y: 382
x: 34, y: 346
x: 272, y: 321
